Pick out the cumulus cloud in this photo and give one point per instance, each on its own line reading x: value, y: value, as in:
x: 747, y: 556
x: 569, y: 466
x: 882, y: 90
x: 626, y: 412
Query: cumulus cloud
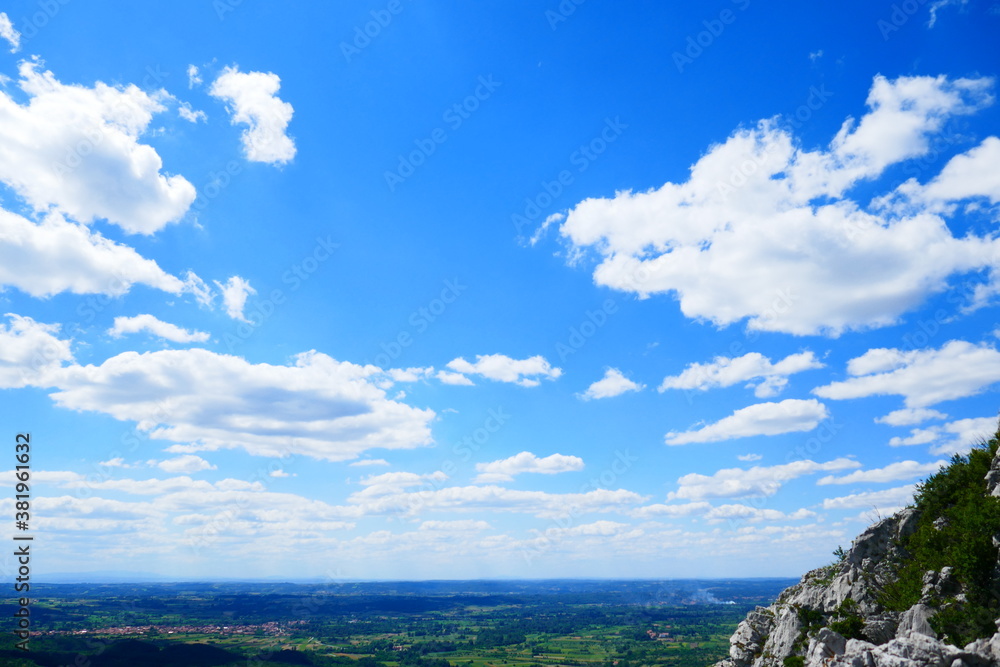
x: 459, y: 526
x: 679, y: 510
x: 788, y: 416
x: 886, y: 501
x: 754, y: 514
x: 969, y: 175
x: 184, y: 513
x: 157, y: 327
x: 185, y: 111
x: 780, y: 243
x: 725, y: 372
x: 185, y: 464
x: 501, y: 368
x: 77, y: 149
x: 368, y: 462
x: 491, y: 498
x: 252, y: 99
x: 234, y: 296
x: 30, y: 352
x: 760, y: 481
x: 55, y: 256
x: 910, y: 416
x: 749, y: 458
x: 893, y: 472
x: 394, y: 482
x: 9, y: 33
x: 956, y: 437
x: 504, y: 470
x: 454, y: 378
x: 922, y: 377
x: 317, y: 407
x: 712, y: 514
x: 614, y: 383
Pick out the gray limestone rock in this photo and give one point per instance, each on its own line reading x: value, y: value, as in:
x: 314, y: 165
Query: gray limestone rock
x: 826, y: 644
x: 916, y: 619
x: 768, y: 635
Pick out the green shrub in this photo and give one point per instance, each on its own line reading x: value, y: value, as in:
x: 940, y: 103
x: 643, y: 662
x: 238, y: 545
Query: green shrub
x: 849, y: 622
x: 957, y: 494
x: 794, y: 661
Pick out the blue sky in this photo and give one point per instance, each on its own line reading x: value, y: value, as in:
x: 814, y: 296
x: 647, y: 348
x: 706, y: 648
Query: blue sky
x: 398, y: 290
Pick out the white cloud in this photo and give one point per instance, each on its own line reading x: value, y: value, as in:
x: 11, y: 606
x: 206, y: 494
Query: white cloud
x: 971, y: 174
x: 749, y: 458
x: 923, y: 377
x: 501, y: 368
x: 940, y: 4
x: 460, y: 526
x: 185, y: 111
x: 754, y: 514
x: 725, y: 372
x: 492, y: 498
x: 454, y: 378
x: 252, y: 100
x: 280, y: 474
x: 157, y: 327
x: 788, y: 416
x: 368, y: 462
x: 601, y: 528
x: 194, y: 76
x: 185, y: 464
x: 757, y: 481
x: 318, y: 407
x: 658, y: 510
x: 966, y: 432
x: 504, y: 470
x: 30, y: 352
x: 612, y: 384
x: 893, y: 472
x: 552, y: 219
x: 394, y: 482
x: 909, y: 416
x: 182, y: 515
x: 885, y: 501
x: 56, y: 256
x: 412, y: 374
x: 779, y: 242
x: 9, y: 33
x: 77, y: 149
x: 116, y: 462
x: 955, y: 437
x: 234, y: 296
x: 712, y: 514
x: 918, y: 436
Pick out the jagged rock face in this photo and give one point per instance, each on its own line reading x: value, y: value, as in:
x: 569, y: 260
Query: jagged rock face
x: 916, y: 619
x: 770, y: 634
x: 993, y: 477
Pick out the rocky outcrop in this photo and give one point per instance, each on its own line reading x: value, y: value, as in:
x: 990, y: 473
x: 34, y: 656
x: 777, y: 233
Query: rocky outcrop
x: 801, y: 625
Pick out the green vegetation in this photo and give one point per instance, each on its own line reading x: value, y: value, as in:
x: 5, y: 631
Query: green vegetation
x: 849, y: 622
x: 956, y: 527
x: 433, y: 624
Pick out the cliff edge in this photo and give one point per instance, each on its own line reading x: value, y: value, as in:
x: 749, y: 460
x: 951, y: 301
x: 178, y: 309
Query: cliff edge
x: 918, y: 589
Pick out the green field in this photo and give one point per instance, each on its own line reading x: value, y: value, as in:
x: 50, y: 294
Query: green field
x: 606, y: 624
